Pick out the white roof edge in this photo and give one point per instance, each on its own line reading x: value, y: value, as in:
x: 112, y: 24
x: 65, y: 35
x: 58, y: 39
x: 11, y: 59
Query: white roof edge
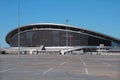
x: 68, y: 26
x: 76, y: 27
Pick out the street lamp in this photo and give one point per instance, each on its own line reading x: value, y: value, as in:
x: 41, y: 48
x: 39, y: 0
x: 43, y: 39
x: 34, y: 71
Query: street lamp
x: 18, y: 27
x: 66, y: 32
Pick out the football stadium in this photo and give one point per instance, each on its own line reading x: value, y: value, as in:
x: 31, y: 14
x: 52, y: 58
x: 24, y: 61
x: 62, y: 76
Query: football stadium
x: 60, y: 38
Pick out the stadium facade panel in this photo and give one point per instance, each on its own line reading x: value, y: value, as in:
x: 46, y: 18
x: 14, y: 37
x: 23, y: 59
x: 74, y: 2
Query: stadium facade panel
x: 50, y: 34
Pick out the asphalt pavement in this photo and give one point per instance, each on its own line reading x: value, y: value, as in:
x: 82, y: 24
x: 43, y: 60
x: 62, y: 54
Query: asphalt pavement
x: 60, y: 67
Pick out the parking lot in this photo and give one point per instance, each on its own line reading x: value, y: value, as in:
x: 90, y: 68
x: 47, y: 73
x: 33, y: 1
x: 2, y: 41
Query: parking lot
x: 60, y: 67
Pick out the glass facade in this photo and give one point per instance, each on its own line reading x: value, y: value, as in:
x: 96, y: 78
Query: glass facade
x: 38, y: 37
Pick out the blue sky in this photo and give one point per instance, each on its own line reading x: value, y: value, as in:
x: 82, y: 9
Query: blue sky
x: 97, y: 15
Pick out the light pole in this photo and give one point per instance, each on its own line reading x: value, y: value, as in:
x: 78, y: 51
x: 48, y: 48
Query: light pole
x: 18, y: 27
x: 66, y: 32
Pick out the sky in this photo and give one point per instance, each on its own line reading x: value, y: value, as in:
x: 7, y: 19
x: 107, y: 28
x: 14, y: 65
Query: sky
x: 98, y: 15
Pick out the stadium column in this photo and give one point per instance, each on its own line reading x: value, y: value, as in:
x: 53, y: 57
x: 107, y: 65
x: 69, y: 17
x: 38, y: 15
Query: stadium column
x: 66, y: 32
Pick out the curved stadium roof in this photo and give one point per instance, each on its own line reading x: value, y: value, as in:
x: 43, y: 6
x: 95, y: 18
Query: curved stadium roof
x: 60, y: 26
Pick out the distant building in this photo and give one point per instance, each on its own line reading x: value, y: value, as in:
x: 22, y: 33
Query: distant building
x: 50, y: 34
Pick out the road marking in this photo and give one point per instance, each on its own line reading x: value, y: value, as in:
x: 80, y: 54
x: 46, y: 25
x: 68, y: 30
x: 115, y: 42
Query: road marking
x: 106, y: 63
x: 86, y: 70
x: 50, y: 69
x: 62, y: 63
x: 81, y: 59
x: 7, y: 70
x: 9, y: 64
x: 84, y: 64
x: 6, y: 64
x: 38, y: 63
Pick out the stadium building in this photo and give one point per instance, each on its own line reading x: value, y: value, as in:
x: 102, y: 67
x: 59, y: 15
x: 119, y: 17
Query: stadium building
x: 57, y: 35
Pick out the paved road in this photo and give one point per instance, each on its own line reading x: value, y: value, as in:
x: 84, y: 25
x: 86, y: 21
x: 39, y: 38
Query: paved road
x: 59, y: 67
